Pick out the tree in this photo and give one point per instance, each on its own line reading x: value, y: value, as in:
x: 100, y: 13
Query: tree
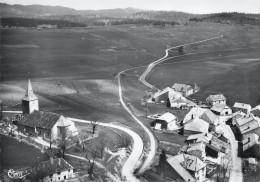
x: 1, y: 111
x: 63, y: 142
x: 222, y: 170
x: 102, y: 144
x: 91, y: 169
x: 94, y: 124
x: 163, y: 156
x: 181, y: 130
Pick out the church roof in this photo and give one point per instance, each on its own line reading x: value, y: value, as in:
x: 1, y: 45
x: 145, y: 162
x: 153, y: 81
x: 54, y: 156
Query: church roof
x: 40, y: 119
x: 29, y: 95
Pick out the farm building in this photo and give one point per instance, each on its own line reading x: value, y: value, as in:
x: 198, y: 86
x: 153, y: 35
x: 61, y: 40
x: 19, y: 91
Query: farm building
x: 216, y: 99
x: 184, y: 89
x: 166, y: 121
x: 190, y: 168
x: 55, y: 170
x: 221, y: 110
x: 162, y: 95
x: 248, y: 125
x: 246, y: 108
x: 236, y: 115
x: 45, y: 124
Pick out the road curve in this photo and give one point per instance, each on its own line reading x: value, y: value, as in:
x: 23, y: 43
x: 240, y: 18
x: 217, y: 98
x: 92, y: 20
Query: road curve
x: 153, y: 64
x: 137, y: 149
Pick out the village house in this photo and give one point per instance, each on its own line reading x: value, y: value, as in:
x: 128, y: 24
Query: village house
x: 248, y: 124
x: 221, y: 110
x: 178, y: 103
x: 55, y: 170
x: 199, y: 119
x: 184, y: 89
x: 162, y: 95
x: 206, y: 147
x: 40, y: 123
x: 167, y: 121
x: 188, y: 167
x: 246, y: 108
x: 216, y: 99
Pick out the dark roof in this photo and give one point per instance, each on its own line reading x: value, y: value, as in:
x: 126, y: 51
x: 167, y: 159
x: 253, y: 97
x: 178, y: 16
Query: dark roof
x: 256, y: 112
x: 40, y: 119
x: 209, y: 117
x: 58, y: 165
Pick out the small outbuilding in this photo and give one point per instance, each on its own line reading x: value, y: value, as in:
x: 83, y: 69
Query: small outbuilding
x: 166, y: 121
x: 184, y: 89
x: 245, y: 108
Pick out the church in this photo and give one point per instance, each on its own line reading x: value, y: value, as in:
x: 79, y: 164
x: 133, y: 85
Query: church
x: 41, y: 123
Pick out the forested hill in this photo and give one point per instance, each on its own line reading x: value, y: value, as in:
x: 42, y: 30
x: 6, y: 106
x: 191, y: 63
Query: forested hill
x: 163, y: 15
x: 230, y: 18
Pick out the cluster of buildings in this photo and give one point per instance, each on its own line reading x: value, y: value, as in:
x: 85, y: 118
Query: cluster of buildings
x: 206, y: 142
x: 47, y: 125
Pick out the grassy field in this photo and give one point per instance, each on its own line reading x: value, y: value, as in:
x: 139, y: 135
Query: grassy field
x: 233, y: 73
x: 16, y: 154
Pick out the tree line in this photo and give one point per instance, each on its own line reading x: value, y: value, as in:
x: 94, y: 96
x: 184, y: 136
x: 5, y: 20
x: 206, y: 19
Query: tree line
x: 31, y: 22
x: 236, y: 18
x: 143, y: 22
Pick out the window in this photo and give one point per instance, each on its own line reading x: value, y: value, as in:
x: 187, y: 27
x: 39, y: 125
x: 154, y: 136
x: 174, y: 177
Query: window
x: 58, y: 177
x: 64, y: 177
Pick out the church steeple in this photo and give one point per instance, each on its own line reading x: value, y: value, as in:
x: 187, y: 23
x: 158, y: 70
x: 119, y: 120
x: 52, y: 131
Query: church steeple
x: 30, y: 101
x: 29, y: 95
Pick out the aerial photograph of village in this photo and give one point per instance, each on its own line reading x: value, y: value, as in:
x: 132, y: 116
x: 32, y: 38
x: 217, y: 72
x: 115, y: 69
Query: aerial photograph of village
x: 129, y: 91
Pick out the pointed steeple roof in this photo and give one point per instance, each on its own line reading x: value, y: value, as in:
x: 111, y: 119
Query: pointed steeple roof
x: 29, y: 95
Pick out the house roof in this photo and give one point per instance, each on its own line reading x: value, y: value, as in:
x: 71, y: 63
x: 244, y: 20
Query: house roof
x: 209, y: 116
x: 193, y: 163
x: 244, y: 120
x: 219, y: 107
x: 197, y: 125
x: 161, y: 92
x: 200, y: 137
x: 217, y: 97
x: 242, y: 105
x: 256, y: 112
x: 175, y: 164
x: 40, y: 119
x: 249, y: 126
x: 168, y: 117
x: 49, y: 167
x: 193, y: 113
x: 29, y: 95
x: 181, y: 87
x: 238, y: 114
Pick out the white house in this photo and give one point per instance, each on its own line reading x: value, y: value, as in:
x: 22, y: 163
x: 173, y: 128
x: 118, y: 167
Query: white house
x: 167, y: 121
x: 55, y: 170
x: 216, y: 99
x: 184, y: 89
x: 221, y: 110
x: 178, y: 103
x: 246, y: 108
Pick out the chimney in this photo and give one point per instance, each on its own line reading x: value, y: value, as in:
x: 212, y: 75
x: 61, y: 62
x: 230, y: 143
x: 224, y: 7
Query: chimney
x: 51, y: 158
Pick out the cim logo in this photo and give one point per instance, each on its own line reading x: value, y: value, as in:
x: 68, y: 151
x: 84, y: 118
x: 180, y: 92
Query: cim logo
x: 17, y: 174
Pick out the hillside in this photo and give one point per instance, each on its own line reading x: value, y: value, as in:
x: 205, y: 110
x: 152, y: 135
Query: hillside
x: 230, y: 18
x: 163, y: 15
x: 36, y: 11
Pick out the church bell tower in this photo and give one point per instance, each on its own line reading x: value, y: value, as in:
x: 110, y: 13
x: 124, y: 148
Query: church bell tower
x: 30, y: 101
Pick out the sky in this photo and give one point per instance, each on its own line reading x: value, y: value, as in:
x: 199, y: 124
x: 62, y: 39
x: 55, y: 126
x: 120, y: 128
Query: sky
x: 190, y: 6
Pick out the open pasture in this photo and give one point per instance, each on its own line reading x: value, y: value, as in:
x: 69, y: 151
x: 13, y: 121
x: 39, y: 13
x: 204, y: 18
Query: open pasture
x: 233, y: 73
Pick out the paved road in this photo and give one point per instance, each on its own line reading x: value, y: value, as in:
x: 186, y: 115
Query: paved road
x: 236, y: 174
